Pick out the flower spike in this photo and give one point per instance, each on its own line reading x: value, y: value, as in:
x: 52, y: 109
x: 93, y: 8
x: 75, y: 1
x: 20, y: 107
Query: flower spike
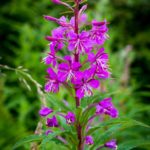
x: 77, y: 61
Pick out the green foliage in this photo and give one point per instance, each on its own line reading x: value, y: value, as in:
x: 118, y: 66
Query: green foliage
x: 28, y: 139
x: 128, y: 145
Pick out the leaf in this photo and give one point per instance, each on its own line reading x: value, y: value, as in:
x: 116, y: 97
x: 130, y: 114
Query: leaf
x: 50, y: 137
x: 127, y: 122
x: 59, y: 103
x: 113, y: 126
x: 78, y: 113
x: 140, y: 109
x: 28, y: 139
x: 133, y: 143
x: 86, y: 115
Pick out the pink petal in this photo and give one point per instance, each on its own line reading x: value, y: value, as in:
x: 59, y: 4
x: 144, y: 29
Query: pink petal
x: 94, y: 83
x: 63, y: 66
x: 58, y: 32
x: 72, y: 35
x: 80, y: 93
x: 88, y: 73
x: 62, y: 76
x: 51, y: 73
x: 91, y: 57
x: 83, y: 34
x: 71, y: 46
x: 68, y: 58
x: 76, y: 65
x: 63, y: 18
x: 72, y: 21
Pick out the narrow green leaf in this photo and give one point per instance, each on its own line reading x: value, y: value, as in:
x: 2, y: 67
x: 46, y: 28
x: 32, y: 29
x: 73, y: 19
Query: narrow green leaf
x: 50, y: 137
x: 114, y: 126
x: 78, y: 113
x: 28, y: 139
x: 59, y: 103
x: 127, y: 122
x: 128, y: 145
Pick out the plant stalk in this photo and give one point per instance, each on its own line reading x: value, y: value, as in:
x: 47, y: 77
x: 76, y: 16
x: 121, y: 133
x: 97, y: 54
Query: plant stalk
x: 76, y: 57
x: 76, y: 29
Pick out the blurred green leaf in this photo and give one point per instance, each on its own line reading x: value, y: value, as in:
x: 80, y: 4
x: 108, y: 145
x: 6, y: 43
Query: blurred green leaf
x: 28, y: 139
x: 48, y: 138
x: 124, y: 122
x: 128, y: 145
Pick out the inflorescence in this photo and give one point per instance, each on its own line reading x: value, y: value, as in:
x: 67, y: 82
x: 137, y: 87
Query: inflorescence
x: 82, y: 68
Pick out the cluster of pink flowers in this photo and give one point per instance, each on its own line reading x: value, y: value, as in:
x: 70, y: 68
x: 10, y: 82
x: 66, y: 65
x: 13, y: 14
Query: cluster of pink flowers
x: 83, y: 76
x: 87, y: 44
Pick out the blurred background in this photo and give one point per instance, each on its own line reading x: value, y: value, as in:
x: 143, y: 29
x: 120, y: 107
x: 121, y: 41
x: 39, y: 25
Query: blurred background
x: 22, y: 32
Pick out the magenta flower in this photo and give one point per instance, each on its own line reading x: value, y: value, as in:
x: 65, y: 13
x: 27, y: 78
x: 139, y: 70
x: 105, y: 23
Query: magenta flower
x: 61, y: 21
x: 52, y: 122
x: 111, y: 144
x: 89, y: 140
x: 68, y: 70
x: 100, y: 73
x: 44, y: 111
x: 106, y: 107
x: 50, y: 58
x: 82, y: 20
x: 52, y: 84
x: 70, y: 118
x: 57, y: 39
x: 98, y: 32
x: 100, y: 59
x: 58, y: 34
x: 79, y: 42
x: 84, y: 84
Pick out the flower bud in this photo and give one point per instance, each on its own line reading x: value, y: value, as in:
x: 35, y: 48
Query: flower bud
x: 111, y: 144
x: 56, y: 1
x: 89, y: 140
x: 50, y: 18
x: 44, y: 111
x: 52, y: 122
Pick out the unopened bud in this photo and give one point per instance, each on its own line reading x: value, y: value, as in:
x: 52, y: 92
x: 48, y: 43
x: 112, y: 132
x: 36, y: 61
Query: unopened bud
x: 50, y: 18
x: 56, y: 1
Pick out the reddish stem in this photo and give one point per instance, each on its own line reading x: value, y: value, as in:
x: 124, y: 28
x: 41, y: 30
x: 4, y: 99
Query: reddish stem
x: 76, y: 12
x: 80, y: 144
x: 77, y: 101
x: 76, y: 28
x: 76, y: 57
